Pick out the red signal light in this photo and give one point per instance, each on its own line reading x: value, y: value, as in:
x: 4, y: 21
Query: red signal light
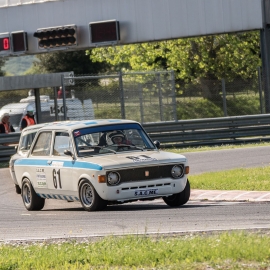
x: 4, y: 44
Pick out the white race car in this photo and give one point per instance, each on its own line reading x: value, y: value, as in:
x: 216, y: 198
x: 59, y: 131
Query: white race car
x: 98, y: 162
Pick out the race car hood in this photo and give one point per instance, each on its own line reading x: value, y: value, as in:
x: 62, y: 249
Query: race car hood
x: 135, y: 159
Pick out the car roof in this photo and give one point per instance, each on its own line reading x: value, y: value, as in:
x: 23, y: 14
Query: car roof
x: 33, y: 128
x: 72, y: 125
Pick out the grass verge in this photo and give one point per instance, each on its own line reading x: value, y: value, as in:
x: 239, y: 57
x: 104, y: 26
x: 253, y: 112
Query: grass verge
x: 236, y: 179
x: 228, y: 250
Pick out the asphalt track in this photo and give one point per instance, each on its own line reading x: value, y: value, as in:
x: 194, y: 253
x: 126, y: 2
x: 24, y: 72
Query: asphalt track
x: 220, y: 160
x: 206, y: 211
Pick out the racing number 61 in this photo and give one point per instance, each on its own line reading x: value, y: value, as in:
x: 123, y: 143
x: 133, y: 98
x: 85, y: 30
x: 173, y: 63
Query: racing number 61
x: 56, y: 178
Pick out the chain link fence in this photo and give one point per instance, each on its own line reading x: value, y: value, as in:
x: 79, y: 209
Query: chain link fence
x: 206, y: 98
x: 140, y: 96
x: 144, y: 97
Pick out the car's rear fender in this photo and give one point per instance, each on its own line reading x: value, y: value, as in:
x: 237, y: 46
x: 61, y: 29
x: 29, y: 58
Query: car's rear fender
x: 24, y: 176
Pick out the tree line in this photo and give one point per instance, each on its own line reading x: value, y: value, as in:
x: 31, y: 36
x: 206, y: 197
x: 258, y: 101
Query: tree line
x: 198, y: 59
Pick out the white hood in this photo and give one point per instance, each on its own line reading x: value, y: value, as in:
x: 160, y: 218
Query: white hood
x: 135, y: 159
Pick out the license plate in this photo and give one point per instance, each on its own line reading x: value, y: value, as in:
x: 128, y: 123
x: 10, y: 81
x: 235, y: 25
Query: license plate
x: 146, y: 192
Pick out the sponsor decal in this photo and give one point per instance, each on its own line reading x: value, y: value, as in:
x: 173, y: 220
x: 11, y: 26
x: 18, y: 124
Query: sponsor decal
x: 41, y: 178
x: 39, y: 170
x: 141, y: 158
x: 146, y: 192
x: 77, y: 133
x: 58, y: 164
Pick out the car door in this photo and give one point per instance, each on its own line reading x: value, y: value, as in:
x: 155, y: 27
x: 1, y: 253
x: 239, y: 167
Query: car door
x: 62, y: 184
x: 38, y: 162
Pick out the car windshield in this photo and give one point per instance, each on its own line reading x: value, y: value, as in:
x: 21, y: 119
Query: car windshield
x: 111, y: 140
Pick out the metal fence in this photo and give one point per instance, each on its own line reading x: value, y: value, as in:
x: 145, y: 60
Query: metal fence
x: 158, y: 96
x: 187, y: 133
x: 141, y: 96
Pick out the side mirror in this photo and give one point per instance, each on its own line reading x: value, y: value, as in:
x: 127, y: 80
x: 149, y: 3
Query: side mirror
x: 157, y: 144
x: 68, y: 153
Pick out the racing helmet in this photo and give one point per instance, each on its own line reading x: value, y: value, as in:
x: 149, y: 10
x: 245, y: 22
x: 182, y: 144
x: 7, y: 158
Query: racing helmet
x: 30, y: 109
x: 116, y: 133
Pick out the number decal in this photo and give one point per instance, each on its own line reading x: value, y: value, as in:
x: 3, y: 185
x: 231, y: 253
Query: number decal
x: 59, y: 178
x: 56, y: 178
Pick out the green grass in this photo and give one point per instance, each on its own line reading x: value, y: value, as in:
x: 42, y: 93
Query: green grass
x: 236, y: 179
x: 228, y: 250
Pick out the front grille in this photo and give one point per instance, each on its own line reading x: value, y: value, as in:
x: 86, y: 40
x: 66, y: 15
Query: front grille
x: 138, y: 174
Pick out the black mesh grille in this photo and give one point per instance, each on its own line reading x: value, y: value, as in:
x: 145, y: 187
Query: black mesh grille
x: 139, y: 174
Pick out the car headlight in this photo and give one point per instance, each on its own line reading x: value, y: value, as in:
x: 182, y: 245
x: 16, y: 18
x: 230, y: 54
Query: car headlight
x: 113, y: 178
x: 177, y: 171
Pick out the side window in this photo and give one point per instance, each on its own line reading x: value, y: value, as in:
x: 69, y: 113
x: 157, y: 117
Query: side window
x: 61, y: 143
x: 26, y: 142
x: 43, y: 143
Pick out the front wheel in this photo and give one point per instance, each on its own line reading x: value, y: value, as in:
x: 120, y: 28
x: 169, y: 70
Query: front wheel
x: 89, y: 198
x: 30, y: 198
x: 180, y: 198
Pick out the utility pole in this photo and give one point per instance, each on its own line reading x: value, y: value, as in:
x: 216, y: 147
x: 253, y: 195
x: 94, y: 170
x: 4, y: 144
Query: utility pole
x: 265, y: 52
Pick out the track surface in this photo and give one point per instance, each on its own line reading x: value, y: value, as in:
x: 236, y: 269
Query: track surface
x: 60, y: 219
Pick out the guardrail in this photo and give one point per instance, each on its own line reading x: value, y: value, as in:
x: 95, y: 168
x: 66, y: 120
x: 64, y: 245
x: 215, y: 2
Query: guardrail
x: 7, y: 145
x: 211, y: 131
x: 185, y: 133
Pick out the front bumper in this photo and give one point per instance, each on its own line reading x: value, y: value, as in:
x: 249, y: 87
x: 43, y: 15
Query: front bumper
x: 143, y: 190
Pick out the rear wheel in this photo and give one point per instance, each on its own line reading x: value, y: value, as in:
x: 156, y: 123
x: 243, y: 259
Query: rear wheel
x: 180, y: 198
x: 30, y: 198
x: 89, y: 198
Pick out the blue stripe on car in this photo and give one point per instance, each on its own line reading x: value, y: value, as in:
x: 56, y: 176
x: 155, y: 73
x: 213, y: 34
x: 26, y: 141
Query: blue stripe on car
x: 67, y: 164
x: 114, y: 121
x: 90, y: 123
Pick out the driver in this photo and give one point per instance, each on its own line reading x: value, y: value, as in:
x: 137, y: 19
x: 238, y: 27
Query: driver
x: 118, y: 137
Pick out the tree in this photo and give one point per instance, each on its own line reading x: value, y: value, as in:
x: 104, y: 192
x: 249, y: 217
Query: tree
x: 76, y: 61
x: 196, y: 60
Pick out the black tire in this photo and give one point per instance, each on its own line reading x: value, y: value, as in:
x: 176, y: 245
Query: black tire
x: 18, y: 189
x: 31, y: 200
x: 180, y: 198
x: 89, y: 198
